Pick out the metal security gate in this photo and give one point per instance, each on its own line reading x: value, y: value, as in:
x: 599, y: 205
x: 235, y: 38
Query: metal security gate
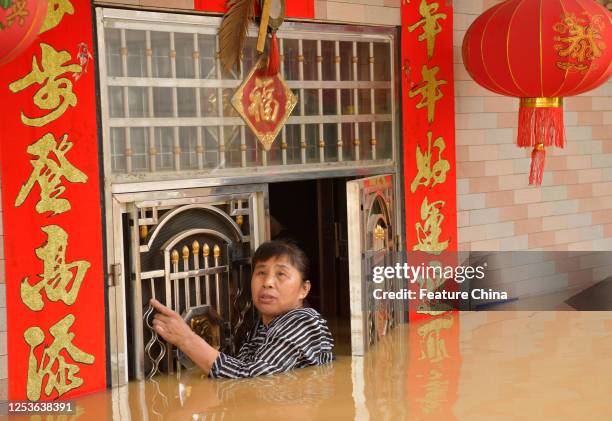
x: 372, y: 241
x: 191, y: 251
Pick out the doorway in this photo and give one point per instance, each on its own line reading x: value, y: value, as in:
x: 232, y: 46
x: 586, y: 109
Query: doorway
x: 312, y: 213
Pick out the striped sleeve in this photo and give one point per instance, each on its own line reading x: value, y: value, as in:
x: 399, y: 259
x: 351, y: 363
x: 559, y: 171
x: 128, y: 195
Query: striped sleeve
x: 299, y: 340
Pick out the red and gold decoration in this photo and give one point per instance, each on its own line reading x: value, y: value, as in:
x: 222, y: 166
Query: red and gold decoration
x: 265, y: 103
x: 303, y: 9
x: 51, y: 210
x: 429, y: 141
x: 263, y: 100
x: 434, y: 367
x: 540, y: 51
x: 20, y: 22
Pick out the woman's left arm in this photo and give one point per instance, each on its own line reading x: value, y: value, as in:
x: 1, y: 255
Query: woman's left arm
x: 171, y: 326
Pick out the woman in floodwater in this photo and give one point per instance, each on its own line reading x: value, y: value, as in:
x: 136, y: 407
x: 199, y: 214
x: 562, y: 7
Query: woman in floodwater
x: 286, y: 336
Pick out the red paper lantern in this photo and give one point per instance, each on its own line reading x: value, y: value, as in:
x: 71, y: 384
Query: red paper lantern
x: 20, y: 21
x: 540, y: 51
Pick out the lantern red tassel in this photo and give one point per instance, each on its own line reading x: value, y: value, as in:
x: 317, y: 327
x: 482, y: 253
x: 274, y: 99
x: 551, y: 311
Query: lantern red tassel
x: 538, y: 156
x: 273, y: 56
x: 541, y: 121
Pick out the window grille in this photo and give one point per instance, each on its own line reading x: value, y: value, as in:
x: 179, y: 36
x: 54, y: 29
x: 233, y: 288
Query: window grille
x: 167, y: 106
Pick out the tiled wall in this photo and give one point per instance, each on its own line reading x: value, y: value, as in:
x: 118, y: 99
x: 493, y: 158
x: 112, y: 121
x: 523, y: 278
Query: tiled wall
x: 497, y: 210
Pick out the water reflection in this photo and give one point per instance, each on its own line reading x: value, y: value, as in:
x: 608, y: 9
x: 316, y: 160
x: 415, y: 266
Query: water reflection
x: 472, y: 365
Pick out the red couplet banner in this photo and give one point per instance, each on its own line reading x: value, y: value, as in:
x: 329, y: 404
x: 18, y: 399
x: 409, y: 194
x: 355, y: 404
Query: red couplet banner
x: 293, y: 8
x: 52, y: 211
x: 429, y: 133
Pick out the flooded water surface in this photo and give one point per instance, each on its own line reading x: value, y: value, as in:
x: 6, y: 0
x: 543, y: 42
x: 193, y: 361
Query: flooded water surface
x: 467, y: 366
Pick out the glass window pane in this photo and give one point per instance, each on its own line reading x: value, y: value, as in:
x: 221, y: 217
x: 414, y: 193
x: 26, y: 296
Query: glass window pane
x: 328, y: 64
x: 208, y: 102
x: 382, y: 99
x: 232, y: 146
x: 312, y: 143
x: 365, y: 136
x: 365, y: 101
x: 118, y: 163
x: 348, y: 139
x: 311, y: 102
x: 293, y: 136
x: 382, y: 62
x: 162, y: 102
x: 211, y: 147
x: 275, y: 155
x: 330, y: 135
x: 185, y: 62
x: 186, y: 98
x: 112, y: 39
x: 137, y: 98
x: 228, y: 108
x: 363, y: 63
x: 136, y: 57
x: 309, y: 49
x: 346, y: 60
x: 115, y: 102
x: 160, y: 46
x: 164, y: 143
x: 249, y: 55
x: 347, y: 101
x: 208, y: 56
x: 140, y: 146
x: 384, y: 136
x: 290, y: 59
x: 330, y: 103
x: 188, y: 139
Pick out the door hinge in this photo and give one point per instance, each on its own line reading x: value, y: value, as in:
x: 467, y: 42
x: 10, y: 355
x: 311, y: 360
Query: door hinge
x: 114, y: 275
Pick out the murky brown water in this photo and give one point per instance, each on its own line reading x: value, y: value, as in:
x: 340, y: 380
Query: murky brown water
x: 471, y: 366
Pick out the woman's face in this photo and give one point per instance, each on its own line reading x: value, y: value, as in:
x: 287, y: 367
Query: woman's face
x: 277, y: 287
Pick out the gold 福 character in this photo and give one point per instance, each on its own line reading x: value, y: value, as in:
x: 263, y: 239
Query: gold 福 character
x: 263, y: 105
x: 18, y: 13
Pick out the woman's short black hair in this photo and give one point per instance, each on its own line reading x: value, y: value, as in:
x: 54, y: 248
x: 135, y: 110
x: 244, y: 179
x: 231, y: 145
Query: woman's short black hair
x: 278, y: 248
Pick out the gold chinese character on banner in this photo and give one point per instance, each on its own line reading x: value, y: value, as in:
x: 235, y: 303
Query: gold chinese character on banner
x: 436, y: 392
x: 433, y: 307
x: 263, y: 105
x: 56, y: 9
x: 431, y: 26
x: 61, y: 375
x: 429, y: 230
x: 432, y: 343
x: 428, y: 174
x: 60, y: 280
x: 56, y: 92
x: 429, y: 89
x: 47, y: 172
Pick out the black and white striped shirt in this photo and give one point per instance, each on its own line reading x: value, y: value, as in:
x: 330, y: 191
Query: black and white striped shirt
x: 298, y: 338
